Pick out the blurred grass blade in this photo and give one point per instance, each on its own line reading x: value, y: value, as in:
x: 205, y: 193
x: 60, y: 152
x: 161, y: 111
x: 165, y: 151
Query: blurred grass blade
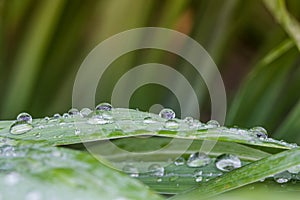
x: 30, y: 55
x: 248, y: 174
x: 287, y: 21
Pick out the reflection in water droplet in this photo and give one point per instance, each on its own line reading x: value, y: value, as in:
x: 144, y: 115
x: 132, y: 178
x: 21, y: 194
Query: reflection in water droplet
x: 156, y: 170
x: 228, y: 162
x: 104, y: 107
x: 73, y: 112
x: 198, y: 159
x: 260, y: 132
x: 24, y: 117
x: 131, y: 170
x: 19, y: 128
x: 171, y: 124
x: 167, y: 113
x: 179, y: 161
x: 66, y: 115
x: 283, y: 177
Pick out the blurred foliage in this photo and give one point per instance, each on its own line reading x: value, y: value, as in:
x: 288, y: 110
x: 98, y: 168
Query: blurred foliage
x: 43, y: 43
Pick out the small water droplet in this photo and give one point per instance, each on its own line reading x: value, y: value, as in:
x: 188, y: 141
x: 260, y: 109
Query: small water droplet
x: 57, y: 116
x: 283, y: 177
x: 156, y: 170
x: 149, y: 120
x: 213, y: 123
x: 171, y: 124
x: 198, y: 159
x: 167, y: 113
x: 66, y: 115
x: 104, y: 107
x: 179, y: 161
x: 198, y: 179
x: 228, y: 162
x: 73, y: 112
x: 189, y: 120
x: 46, y: 119
x: 85, y: 112
x: 20, y: 127
x: 24, y: 117
x: 131, y: 170
x: 260, y: 132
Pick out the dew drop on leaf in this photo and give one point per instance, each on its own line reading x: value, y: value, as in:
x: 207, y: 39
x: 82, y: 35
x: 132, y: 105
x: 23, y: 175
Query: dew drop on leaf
x: 19, y: 127
x: 179, y: 161
x: 156, y: 170
x: 213, y: 123
x: 85, y: 112
x: 167, y: 113
x: 228, y: 162
x: 171, y: 124
x: 198, y: 159
x: 104, y: 107
x: 131, y: 170
x: 283, y: 177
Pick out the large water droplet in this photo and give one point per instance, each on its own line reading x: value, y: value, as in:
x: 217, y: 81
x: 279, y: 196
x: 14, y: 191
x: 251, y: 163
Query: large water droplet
x: 198, y: 159
x: 171, y: 124
x: 156, y: 170
x: 283, y: 177
x: 167, y: 113
x: 228, y: 162
x: 24, y: 117
x: 131, y: 170
x: 260, y: 132
x: 104, y: 107
x: 179, y: 161
x: 20, y: 127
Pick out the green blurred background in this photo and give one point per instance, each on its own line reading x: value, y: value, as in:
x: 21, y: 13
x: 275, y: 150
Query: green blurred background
x: 43, y: 43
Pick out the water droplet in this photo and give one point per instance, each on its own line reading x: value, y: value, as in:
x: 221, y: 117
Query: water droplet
x: 171, y: 124
x: 260, y: 132
x: 104, y: 107
x: 46, y: 119
x: 85, y: 112
x: 149, y: 120
x: 283, y: 177
x: 198, y: 159
x: 213, y: 123
x: 24, y: 117
x: 189, y: 120
x: 198, y: 179
x: 73, y: 112
x: 156, y: 170
x: 294, y: 170
x: 228, y: 162
x: 159, y: 180
x: 131, y: 170
x: 179, y: 161
x: 66, y: 115
x: 167, y: 113
x: 96, y: 119
x: 57, y: 116
x: 37, y: 135
x: 20, y: 127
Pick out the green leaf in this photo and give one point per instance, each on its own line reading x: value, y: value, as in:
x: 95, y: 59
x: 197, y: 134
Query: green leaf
x: 29, y: 170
